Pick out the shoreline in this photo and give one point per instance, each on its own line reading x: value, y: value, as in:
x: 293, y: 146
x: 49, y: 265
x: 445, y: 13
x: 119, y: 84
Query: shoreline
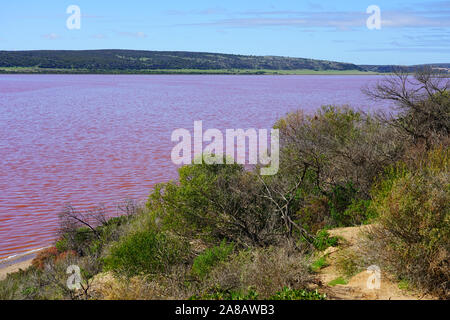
x: 242, y: 72
x: 14, y: 267
x: 16, y: 263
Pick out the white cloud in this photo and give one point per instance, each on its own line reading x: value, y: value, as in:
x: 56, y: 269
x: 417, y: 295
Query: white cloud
x: 51, y: 36
x: 138, y: 34
x: 99, y: 36
x: 343, y: 20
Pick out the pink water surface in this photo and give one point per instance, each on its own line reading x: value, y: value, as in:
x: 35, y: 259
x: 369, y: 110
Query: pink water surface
x: 93, y: 139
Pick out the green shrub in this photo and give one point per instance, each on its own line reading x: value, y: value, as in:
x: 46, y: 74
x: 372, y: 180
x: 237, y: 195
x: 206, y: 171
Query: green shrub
x: 49, y: 283
x: 347, y: 208
x: 88, y: 233
x: 349, y: 262
x: 145, y: 252
x: 359, y: 211
x: 10, y: 288
x: 78, y: 240
x: 62, y: 245
x: 337, y: 281
x: 340, y: 199
x: 215, y: 202
x: 323, y: 240
x: 319, y: 264
x: 210, y: 258
x: 286, y: 293
x: 292, y: 294
x: 403, y: 285
x: 340, y: 145
x: 264, y: 270
x: 413, y: 235
x: 315, y: 213
x: 219, y: 294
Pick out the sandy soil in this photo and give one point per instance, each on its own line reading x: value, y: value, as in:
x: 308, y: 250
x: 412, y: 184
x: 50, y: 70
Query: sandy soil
x: 14, y: 265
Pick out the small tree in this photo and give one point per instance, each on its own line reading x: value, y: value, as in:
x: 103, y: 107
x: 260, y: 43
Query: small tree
x: 217, y: 201
x: 338, y: 146
x: 422, y: 104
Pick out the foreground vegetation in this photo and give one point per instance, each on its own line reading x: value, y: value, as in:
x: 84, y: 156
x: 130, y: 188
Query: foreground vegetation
x: 223, y: 232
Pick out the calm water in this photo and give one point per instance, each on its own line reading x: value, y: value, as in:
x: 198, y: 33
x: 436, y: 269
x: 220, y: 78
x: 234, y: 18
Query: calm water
x: 92, y: 139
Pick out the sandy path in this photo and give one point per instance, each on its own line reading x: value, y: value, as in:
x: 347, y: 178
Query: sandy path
x: 357, y: 287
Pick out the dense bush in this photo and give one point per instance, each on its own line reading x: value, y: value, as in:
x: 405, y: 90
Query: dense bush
x: 18, y: 286
x: 145, y: 252
x: 285, y: 294
x: 45, y: 256
x: 210, y: 258
x: 47, y: 278
x: 340, y: 147
x: 341, y: 151
x: 315, y: 214
x: 340, y: 198
x: 228, y: 295
x: 292, y: 294
x: 263, y: 270
x: 87, y: 233
x: 323, y: 240
x: 346, y: 208
x: 328, y: 163
x: 216, y: 202
x: 413, y: 235
x: 351, y: 261
x: 359, y: 211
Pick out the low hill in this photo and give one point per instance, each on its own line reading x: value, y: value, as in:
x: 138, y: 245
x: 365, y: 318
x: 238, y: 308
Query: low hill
x: 135, y: 61
x: 444, y: 67
x: 131, y: 60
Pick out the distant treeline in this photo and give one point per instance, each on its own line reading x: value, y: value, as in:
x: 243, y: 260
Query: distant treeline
x: 141, y: 60
x: 131, y: 61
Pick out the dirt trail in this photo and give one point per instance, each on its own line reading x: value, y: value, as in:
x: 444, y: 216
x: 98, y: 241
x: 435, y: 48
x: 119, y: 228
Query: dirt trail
x: 357, y: 287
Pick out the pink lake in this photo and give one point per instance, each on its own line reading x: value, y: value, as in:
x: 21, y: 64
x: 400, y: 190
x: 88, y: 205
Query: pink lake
x: 87, y: 140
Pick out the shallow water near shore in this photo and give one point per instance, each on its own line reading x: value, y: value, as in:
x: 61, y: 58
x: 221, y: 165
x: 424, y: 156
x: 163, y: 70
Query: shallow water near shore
x: 98, y: 139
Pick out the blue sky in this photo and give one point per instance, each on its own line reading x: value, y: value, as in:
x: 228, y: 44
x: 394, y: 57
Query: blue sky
x: 412, y: 32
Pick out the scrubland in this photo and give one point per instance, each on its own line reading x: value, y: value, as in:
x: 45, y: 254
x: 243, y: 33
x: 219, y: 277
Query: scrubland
x: 225, y: 232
